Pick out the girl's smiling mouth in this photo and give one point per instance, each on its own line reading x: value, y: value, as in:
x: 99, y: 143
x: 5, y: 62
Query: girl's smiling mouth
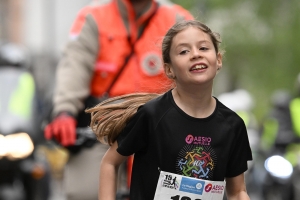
x: 198, y: 67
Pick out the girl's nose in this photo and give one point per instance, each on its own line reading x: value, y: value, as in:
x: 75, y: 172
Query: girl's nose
x: 195, y: 53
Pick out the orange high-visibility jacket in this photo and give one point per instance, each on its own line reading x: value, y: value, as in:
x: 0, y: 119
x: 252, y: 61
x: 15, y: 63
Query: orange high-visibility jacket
x: 102, y: 37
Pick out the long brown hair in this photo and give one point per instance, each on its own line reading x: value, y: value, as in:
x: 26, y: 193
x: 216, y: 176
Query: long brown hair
x: 109, y: 117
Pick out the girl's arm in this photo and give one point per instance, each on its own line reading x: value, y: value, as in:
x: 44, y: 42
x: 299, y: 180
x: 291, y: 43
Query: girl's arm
x: 108, y: 173
x: 236, y: 188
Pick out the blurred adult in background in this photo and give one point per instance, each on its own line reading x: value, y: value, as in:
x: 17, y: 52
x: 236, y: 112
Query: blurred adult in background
x: 281, y: 136
x: 277, y: 126
x: 276, y: 135
x: 282, y: 124
x: 113, y: 51
x: 24, y: 170
x: 15, y: 65
x: 293, y: 150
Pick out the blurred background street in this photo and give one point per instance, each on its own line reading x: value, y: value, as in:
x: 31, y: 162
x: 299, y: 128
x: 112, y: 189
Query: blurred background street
x: 259, y: 80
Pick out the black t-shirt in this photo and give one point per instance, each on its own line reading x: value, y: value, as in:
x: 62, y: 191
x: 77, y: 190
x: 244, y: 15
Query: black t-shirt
x: 163, y: 137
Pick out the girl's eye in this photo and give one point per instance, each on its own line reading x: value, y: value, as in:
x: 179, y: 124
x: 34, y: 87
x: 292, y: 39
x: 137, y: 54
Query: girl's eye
x: 183, y: 52
x: 203, y: 48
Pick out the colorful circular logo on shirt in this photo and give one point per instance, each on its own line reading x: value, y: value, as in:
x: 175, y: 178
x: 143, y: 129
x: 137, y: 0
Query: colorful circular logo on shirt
x: 152, y: 64
x: 196, y: 161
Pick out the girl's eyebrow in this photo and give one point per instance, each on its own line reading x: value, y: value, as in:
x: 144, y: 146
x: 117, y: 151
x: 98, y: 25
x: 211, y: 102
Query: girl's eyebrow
x: 182, y: 44
x: 187, y: 44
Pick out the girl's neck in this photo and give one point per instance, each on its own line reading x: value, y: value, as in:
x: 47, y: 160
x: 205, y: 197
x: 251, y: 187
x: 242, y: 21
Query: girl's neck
x: 198, y: 105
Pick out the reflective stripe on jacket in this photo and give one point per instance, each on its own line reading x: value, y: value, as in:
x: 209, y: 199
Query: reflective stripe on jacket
x: 295, y: 115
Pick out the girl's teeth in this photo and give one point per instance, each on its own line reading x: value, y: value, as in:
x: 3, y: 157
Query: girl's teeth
x: 200, y: 67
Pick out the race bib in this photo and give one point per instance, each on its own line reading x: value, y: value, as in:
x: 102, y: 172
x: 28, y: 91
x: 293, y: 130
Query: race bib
x: 176, y: 187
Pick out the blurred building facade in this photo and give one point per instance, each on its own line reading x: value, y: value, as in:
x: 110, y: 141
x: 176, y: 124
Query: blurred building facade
x: 42, y: 26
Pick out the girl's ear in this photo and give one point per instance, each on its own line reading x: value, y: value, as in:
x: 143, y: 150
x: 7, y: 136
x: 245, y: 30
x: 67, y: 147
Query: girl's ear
x: 168, y: 71
x: 219, y: 61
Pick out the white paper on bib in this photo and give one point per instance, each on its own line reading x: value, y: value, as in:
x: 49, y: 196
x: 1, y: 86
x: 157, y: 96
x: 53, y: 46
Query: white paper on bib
x: 176, y: 187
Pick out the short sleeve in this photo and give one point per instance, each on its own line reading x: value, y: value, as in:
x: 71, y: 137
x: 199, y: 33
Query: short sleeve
x: 240, y: 152
x: 134, y: 136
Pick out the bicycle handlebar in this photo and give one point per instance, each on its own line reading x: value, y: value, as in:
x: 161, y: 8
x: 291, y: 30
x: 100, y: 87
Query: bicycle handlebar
x: 84, y: 134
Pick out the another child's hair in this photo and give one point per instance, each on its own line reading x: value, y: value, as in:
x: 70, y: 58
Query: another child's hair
x: 109, y: 117
x: 180, y: 26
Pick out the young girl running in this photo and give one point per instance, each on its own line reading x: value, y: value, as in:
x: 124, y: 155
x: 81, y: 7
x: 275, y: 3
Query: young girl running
x: 185, y: 132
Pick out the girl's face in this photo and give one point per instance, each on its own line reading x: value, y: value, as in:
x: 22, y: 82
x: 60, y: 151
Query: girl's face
x: 193, y: 58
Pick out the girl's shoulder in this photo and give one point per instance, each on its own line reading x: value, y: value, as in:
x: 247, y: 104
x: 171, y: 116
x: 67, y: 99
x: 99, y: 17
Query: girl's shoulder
x: 158, y: 101
x: 158, y: 105
x: 228, y: 114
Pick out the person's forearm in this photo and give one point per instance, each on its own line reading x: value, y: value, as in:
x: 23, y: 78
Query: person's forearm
x: 240, y: 196
x: 108, y: 183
